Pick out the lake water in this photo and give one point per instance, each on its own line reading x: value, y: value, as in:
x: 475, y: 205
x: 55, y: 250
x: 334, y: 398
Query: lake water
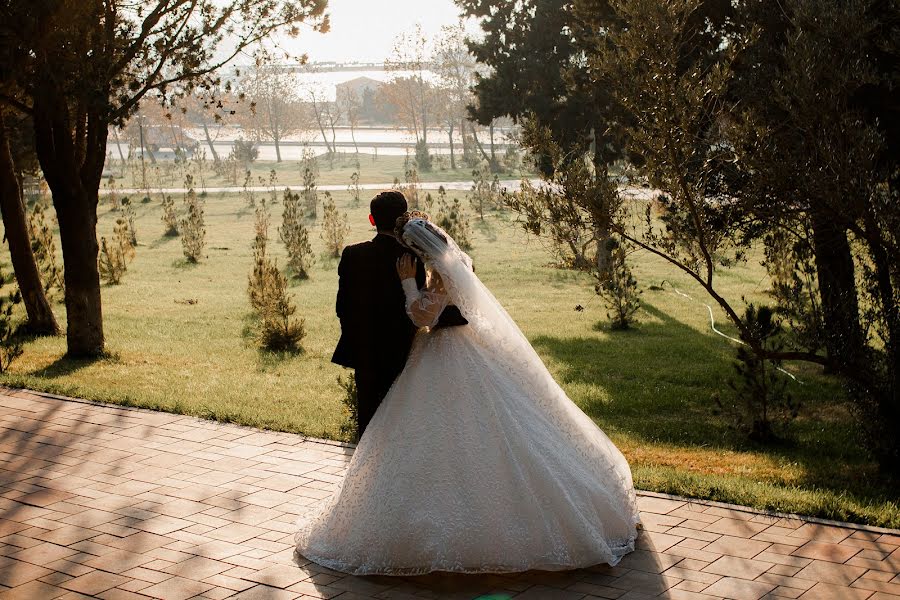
x: 370, y: 140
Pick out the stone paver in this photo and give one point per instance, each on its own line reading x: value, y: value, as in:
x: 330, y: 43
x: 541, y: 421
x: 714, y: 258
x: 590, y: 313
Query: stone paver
x: 98, y: 501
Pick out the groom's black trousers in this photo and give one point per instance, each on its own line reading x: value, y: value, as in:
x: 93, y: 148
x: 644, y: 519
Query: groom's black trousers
x: 371, y: 388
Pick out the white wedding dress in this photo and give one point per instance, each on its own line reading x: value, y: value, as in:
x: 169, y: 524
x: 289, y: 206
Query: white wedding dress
x: 476, y: 461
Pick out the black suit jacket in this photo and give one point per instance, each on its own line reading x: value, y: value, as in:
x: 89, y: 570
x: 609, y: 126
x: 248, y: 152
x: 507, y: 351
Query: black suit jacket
x: 376, y: 332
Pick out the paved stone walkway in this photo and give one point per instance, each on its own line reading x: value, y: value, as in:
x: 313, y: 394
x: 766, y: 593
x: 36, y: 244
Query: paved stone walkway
x: 106, y: 502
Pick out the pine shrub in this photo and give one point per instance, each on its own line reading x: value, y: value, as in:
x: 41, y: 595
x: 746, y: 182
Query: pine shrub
x: 335, y: 227
x: 618, y: 288
x: 115, y: 253
x: 44, y: 248
x: 169, y: 217
x: 267, y: 290
x: 309, y: 168
x: 10, y: 343
x: 452, y: 218
x: 295, y: 236
x: 193, y: 232
x: 354, y: 189
x: 762, y: 405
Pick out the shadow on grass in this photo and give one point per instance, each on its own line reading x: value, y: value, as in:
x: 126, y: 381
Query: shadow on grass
x: 272, y: 358
x: 65, y: 365
x: 161, y: 241
x: 656, y: 383
x: 183, y: 264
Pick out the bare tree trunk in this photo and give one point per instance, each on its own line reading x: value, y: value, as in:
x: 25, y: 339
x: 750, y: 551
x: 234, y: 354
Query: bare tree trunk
x: 209, y: 143
x: 837, y: 287
x: 40, y: 315
x: 450, y: 137
x: 119, y: 147
x: 321, y: 126
x: 71, y: 149
x: 493, y: 153
x: 478, y: 144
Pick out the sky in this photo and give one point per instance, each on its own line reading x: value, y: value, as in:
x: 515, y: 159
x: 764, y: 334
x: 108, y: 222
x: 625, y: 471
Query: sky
x: 365, y: 30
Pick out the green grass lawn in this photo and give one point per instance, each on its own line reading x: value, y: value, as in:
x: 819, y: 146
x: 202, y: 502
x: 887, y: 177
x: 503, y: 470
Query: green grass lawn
x: 180, y: 339
x: 372, y: 169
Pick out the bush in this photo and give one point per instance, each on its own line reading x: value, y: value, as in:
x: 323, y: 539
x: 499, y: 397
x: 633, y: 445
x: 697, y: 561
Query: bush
x: 618, y: 288
x: 128, y: 213
x: 44, y: 248
x: 350, y: 400
x: 763, y: 407
x: 335, y: 227
x: 245, y: 151
x: 115, y: 254
x: 309, y: 167
x: 295, y: 236
x: 354, y: 189
x: 279, y: 331
x: 10, y: 344
x: 452, y: 218
x: 485, y: 191
x: 411, y: 189
x: 193, y: 233
x: 267, y: 290
x: 169, y: 217
x: 423, y: 157
x: 248, y: 192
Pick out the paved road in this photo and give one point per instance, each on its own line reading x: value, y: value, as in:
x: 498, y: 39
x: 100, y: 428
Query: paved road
x: 99, y: 501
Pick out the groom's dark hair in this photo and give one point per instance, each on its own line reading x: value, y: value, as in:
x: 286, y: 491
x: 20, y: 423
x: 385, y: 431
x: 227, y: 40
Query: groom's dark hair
x: 386, y: 207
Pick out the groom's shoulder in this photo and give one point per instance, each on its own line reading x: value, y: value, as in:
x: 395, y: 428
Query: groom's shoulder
x: 356, y: 249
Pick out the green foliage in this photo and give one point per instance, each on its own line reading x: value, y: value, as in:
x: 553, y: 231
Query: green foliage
x: 44, y: 248
x: 279, y: 330
x: 335, y: 227
x: 618, y: 288
x: 169, y: 217
x: 10, y: 343
x: 451, y: 217
x: 115, y: 254
x: 763, y: 405
x: 295, y: 236
x: 790, y: 262
x: 193, y: 232
x: 350, y: 401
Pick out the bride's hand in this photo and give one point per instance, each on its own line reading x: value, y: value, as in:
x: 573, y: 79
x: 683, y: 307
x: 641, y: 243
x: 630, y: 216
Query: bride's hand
x: 406, y: 267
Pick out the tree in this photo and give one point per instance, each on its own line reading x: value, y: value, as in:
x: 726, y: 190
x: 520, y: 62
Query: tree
x: 350, y: 105
x: 327, y: 115
x: 79, y: 67
x: 455, y: 67
x: 40, y: 315
x: 275, y: 110
x: 409, y: 89
x: 815, y: 141
x: 534, y: 72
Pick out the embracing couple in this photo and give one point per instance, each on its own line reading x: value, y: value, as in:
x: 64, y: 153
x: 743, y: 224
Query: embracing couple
x: 471, y: 459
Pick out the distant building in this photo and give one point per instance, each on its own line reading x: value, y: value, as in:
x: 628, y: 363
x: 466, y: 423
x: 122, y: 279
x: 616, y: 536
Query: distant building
x: 359, y: 86
x: 372, y: 108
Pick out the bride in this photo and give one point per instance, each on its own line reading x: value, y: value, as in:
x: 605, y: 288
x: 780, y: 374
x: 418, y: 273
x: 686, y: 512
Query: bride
x: 476, y: 461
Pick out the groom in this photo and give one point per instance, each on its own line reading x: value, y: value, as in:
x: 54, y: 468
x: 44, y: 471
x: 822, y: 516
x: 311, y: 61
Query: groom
x: 376, y: 333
